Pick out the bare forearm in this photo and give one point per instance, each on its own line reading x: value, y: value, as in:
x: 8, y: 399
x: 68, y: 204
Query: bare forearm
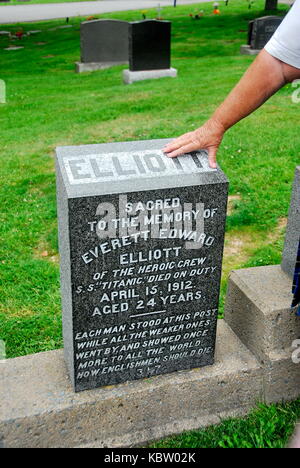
x: 264, y: 77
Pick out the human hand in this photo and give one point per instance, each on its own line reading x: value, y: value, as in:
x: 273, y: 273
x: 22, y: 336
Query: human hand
x: 208, y: 137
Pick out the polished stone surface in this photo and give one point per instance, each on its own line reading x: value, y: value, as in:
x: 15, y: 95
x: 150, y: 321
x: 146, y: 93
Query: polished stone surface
x: 149, y: 45
x: 104, y: 41
x: 141, y: 243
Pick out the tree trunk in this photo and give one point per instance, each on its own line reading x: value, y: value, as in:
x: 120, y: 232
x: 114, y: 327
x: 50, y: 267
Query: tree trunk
x: 271, y: 4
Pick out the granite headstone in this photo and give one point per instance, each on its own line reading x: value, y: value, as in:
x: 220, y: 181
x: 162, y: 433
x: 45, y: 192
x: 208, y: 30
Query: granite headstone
x: 104, y: 43
x: 260, y: 31
x: 2, y: 92
x: 292, y: 237
x: 250, y: 32
x: 149, y: 45
x: 141, y: 240
x: 149, y: 51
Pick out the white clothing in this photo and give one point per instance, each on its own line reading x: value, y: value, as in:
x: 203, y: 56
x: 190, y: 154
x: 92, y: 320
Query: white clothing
x: 285, y: 42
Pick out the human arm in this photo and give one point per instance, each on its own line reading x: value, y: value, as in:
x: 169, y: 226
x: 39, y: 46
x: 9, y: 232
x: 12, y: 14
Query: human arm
x: 263, y: 78
x: 276, y: 65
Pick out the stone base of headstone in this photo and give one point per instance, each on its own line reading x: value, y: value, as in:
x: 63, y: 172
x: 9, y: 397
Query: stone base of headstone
x: 40, y: 408
x: 246, y: 50
x: 130, y: 77
x: 258, y: 311
x: 81, y: 67
x: 14, y: 48
x: 253, y: 363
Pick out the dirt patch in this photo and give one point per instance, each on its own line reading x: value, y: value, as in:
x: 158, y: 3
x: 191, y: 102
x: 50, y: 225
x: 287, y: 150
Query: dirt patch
x: 237, y: 250
x: 124, y: 127
x: 275, y: 234
x: 231, y: 203
x: 133, y: 98
x: 44, y: 251
x: 21, y: 313
x: 239, y: 246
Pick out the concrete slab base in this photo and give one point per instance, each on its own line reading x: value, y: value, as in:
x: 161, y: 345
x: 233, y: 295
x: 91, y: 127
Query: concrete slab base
x: 258, y: 311
x: 81, y: 67
x: 253, y: 363
x: 14, y: 48
x: 40, y: 409
x: 130, y: 77
x: 246, y: 50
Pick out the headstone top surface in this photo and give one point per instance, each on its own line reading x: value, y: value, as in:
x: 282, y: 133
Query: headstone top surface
x: 102, y: 20
x: 268, y: 17
x: 151, y: 21
x: 131, y: 166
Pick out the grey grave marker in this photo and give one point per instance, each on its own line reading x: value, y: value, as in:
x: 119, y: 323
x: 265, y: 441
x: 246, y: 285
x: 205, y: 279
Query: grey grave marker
x: 2, y: 92
x: 293, y: 229
x: 260, y: 32
x: 104, y: 43
x: 141, y: 240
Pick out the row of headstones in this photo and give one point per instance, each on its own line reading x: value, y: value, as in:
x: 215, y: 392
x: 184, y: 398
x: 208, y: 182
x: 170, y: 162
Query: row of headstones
x: 145, y: 45
x: 260, y: 31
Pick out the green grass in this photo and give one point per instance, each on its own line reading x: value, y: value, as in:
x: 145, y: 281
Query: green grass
x: 265, y: 427
x: 48, y: 105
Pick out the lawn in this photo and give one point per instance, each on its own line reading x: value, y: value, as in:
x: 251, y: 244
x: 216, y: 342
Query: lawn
x: 48, y: 105
x: 265, y: 427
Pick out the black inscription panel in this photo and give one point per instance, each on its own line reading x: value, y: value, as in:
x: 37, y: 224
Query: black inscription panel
x: 145, y: 272
x: 149, y: 45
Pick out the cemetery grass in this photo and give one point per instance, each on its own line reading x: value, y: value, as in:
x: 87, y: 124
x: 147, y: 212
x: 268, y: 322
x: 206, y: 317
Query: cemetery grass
x: 265, y: 427
x: 48, y: 105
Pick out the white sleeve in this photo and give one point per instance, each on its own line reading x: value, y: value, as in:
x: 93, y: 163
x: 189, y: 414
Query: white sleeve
x: 285, y: 43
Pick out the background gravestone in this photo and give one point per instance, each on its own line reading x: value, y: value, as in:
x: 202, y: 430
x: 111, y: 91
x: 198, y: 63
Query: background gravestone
x: 250, y: 31
x: 293, y: 229
x: 104, y: 43
x: 149, y: 45
x: 260, y: 32
x: 149, y: 50
x: 145, y: 302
